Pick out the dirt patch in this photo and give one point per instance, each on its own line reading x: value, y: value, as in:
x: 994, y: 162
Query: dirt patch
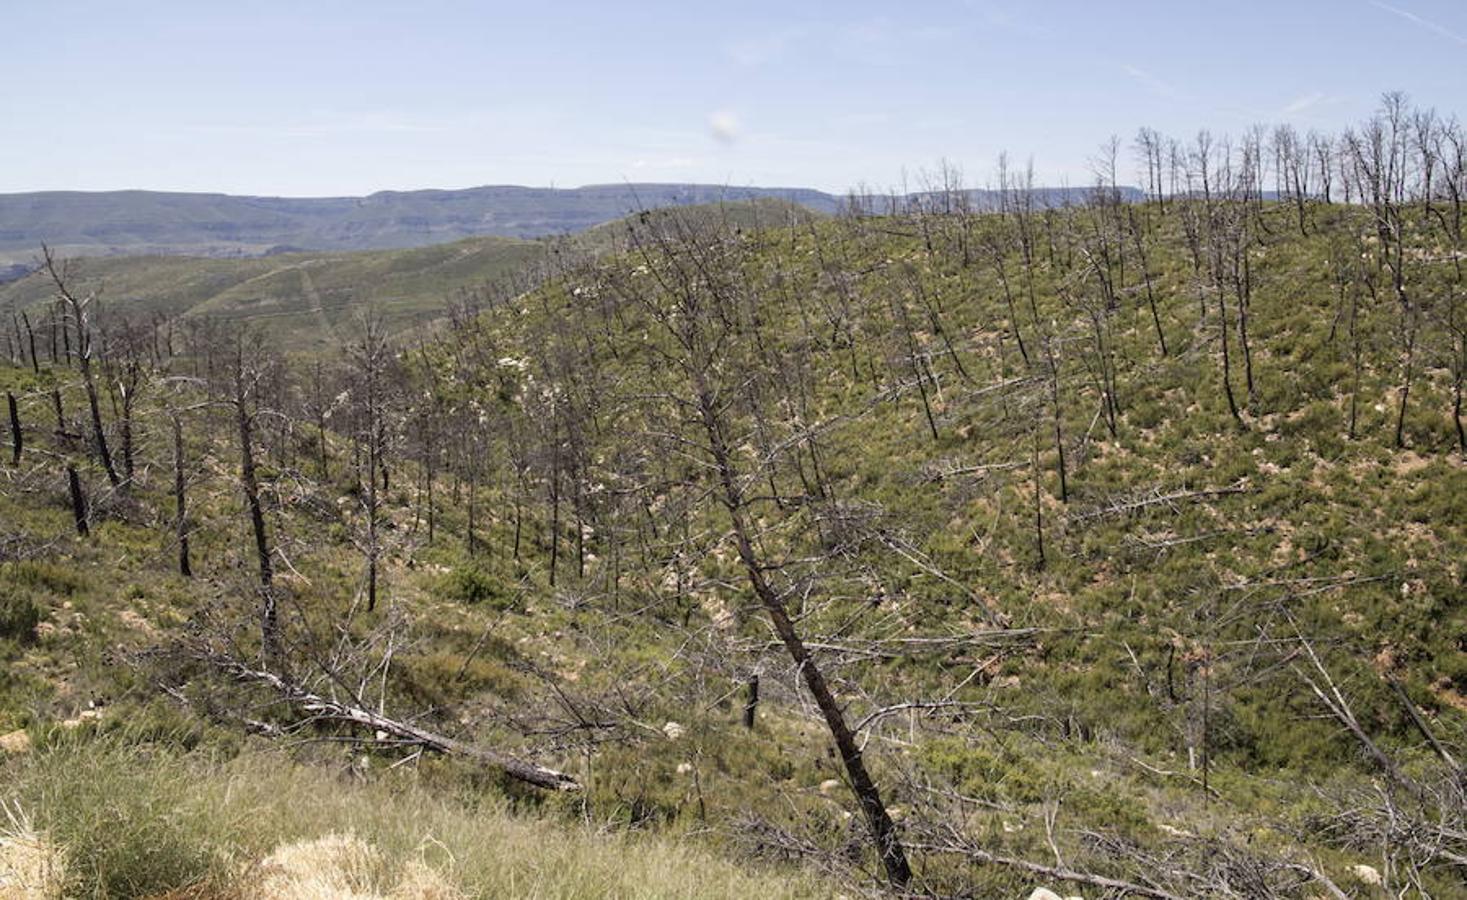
x: 1407, y: 461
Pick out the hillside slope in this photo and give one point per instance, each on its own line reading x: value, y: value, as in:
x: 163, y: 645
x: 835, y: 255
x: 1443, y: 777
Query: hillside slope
x: 302, y: 299
x: 1129, y: 542
x: 307, y: 301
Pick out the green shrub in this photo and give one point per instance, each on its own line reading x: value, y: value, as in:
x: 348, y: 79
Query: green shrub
x: 43, y: 576
x: 19, y: 615
x: 473, y: 584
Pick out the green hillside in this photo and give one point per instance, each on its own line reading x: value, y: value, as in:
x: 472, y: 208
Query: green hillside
x: 308, y: 301
x: 301, y: 298
x: 1126, y: 540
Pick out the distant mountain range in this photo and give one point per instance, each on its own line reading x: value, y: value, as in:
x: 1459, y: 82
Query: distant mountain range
x: 134, y: 222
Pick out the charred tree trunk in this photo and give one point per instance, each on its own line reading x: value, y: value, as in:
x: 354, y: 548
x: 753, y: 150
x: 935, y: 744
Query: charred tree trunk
x: 1227, y: 368
x: 554, y: 511
x: 125, y: 433
x: 99, y: 434
x: 374, y: 461
x: 1244, y: 286
x: 751, y: 701
x: 1408, y: 371
x: 61, y: 431
x: 249, y: 482
x: 31, y: 339
x: 878, y: 820
x: 78, y: 501
x: 471, y: 542
x: 17, y: 437
x: 77, y: 310
x: 1059, y: 435
x: 1140, y: 243
x: 1038, y: 506
x: 180, y: 501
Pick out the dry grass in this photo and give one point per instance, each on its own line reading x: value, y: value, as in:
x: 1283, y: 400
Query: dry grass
x: 344, y: 867
x: 149, y: 824
x: 31, y: 867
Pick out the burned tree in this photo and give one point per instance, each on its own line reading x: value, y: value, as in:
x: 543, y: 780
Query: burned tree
x: 17, y: 436
x: 693, y: 297
x: 248, y: 368
x: 371, y: 361
x: 78, y: 316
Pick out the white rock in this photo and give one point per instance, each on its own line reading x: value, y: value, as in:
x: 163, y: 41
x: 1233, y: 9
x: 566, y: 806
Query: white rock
x: 829, y: 786
x: 86, y: 715
x: 1367, y: 874
x: 673, y: 730
x: 15, y: 742
x: 684, y: 768
x: 1044, y: 894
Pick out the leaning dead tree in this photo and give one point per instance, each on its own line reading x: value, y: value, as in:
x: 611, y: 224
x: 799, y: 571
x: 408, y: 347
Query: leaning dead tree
x: 700, y: 307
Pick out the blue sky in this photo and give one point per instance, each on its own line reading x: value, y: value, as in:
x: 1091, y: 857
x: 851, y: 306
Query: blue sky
x: 317, y: 97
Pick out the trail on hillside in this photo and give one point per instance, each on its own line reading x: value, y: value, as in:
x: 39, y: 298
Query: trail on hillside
x: 313, y: 297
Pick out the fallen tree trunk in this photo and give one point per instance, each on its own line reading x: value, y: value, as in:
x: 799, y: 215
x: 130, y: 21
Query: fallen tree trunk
x: 325, y: 708
x: 1059, y: 872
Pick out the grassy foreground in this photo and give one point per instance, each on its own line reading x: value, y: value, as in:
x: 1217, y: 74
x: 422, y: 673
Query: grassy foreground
x: 102, y: 818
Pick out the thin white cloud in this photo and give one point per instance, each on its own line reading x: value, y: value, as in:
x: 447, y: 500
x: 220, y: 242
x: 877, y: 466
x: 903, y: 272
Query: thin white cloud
x: 1300, y: 104
x: 868, y: 39
x: 1152, y: 83
x: 765, y: 48
x: 1414, y: 19
x: 1004, y: 18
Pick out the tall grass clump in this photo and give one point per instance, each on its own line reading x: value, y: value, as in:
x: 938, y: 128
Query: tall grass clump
x: 136, y: 821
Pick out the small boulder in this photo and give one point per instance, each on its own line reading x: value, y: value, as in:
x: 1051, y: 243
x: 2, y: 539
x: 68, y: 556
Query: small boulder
x: 673, y: 730
x: 829, y: 786
x: 1366, y: 874
x: 86, y: 715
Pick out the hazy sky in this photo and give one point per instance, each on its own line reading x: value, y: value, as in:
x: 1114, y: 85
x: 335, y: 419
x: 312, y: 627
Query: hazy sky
x: 316, y: 98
